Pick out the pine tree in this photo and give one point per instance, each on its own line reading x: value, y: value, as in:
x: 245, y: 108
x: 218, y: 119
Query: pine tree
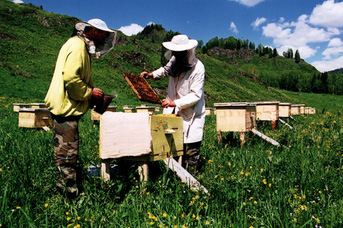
x: 297, y: 56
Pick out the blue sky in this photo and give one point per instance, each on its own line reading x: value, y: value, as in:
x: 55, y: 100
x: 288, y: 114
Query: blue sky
x: 314, y: 27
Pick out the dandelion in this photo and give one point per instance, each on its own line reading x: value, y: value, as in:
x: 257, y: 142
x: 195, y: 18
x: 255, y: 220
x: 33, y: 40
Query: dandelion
x: 247, y: 174
x: 207, y: 223
x: 264, y: 181
x: 270, y: 185
x: 78, y: 218
x: 242, y: 172
x: 152, y: 223
x: 67, y: 213
x: 164, y: 214
x: 46, y: 205
x: 229, y: 163
x: 68, y: 218
x: 0, y: 169
x: 255, y: 202
x: 244, y: 203
x: 261, y: 169
x: 251, y: 227
x: 250, y: 167
x: 18, y: 207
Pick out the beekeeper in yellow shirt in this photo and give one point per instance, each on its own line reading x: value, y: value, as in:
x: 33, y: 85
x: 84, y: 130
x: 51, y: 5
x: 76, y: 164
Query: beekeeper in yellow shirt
x: 185, y: 94
x: 70, y: 94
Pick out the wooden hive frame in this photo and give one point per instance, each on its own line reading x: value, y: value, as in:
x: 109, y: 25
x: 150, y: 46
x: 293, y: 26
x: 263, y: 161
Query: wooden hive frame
x: 142, y: 89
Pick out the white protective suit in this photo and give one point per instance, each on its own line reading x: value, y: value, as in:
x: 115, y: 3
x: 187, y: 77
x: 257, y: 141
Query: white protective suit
x: 187, y: 91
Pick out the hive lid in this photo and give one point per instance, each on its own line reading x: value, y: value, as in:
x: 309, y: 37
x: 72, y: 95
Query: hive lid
x: 233, y: 104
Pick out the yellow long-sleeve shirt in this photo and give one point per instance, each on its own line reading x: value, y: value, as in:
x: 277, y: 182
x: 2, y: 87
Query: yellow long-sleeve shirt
x: 71, y: 86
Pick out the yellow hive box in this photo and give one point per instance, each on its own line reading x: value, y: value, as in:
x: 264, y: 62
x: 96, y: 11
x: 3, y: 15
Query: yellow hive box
x: 34, y: 117
x: 235, y: 117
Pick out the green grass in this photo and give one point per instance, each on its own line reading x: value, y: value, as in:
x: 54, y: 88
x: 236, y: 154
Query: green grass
x: 257, y: 185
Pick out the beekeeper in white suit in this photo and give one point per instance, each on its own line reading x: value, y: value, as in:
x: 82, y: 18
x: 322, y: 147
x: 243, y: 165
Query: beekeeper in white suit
x: 185, y: 94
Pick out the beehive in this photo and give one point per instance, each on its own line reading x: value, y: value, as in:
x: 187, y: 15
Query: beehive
x: 17, y: 106
x: 295, y: 109
x: 285, y: 110
x: 209, y: 111
x: 128, y: 109
x: 144, y: 108
x: 34, y: 117
x: 302, y: 109
x: 166, y: 135
x: 267, y: 110
x: 235, y: 117
x: 38, y: 105
x: 96, y: 116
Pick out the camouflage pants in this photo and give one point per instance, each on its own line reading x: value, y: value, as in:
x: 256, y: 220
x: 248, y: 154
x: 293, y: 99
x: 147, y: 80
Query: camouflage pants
x: 191, y: 158
x: 66, y: 147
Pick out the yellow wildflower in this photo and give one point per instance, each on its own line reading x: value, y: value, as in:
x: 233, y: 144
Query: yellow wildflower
x: 164, y: 214
x: 46, y: 205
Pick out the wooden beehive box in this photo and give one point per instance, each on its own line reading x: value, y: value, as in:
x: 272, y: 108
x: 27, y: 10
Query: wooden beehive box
x: 96, y: 116
x: 285, y: 110
x: 34, y: 117
x: 38, y: 105
x: 312, y: 111
x: 235, y: 117
x: 209, y: 111
x: 267, y: 110
x: 17, y: 106
x: 128, y: 109
x: 144, y: 108
x: 295, y: 109
x: 302, y: 109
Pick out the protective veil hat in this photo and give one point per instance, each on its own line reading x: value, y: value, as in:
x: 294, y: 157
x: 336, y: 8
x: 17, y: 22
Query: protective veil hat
x: 109, y: 43
x: 96, y: 23
x: 180, y: 43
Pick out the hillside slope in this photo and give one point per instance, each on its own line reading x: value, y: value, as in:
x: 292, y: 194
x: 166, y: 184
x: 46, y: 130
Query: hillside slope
x: 31, y: 38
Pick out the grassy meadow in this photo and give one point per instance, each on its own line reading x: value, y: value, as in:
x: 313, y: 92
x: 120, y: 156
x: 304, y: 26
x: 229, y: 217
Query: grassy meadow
x: 258, y: 185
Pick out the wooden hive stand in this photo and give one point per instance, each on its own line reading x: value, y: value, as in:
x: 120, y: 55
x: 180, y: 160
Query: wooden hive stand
x: 35, y: 118
x: 235, y: 117
x: 268, y: 111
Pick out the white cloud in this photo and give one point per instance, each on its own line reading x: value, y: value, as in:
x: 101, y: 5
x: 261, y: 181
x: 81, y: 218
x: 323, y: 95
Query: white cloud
x: 18, y: 1
x: 248, y: 2
x: 258, y: 22
x: 335, y: 42
x: 233, y: 28
x: 132, y: 29
x: 324, y: 66
x: 329, y: 14
x: 298, y: 35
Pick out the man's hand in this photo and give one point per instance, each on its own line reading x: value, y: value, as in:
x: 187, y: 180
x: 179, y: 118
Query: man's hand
x: 97, y: 93
x: 168, y: 103
x: 146, y: 75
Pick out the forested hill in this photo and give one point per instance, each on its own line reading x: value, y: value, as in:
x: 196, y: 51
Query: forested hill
x: 31, y: 39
